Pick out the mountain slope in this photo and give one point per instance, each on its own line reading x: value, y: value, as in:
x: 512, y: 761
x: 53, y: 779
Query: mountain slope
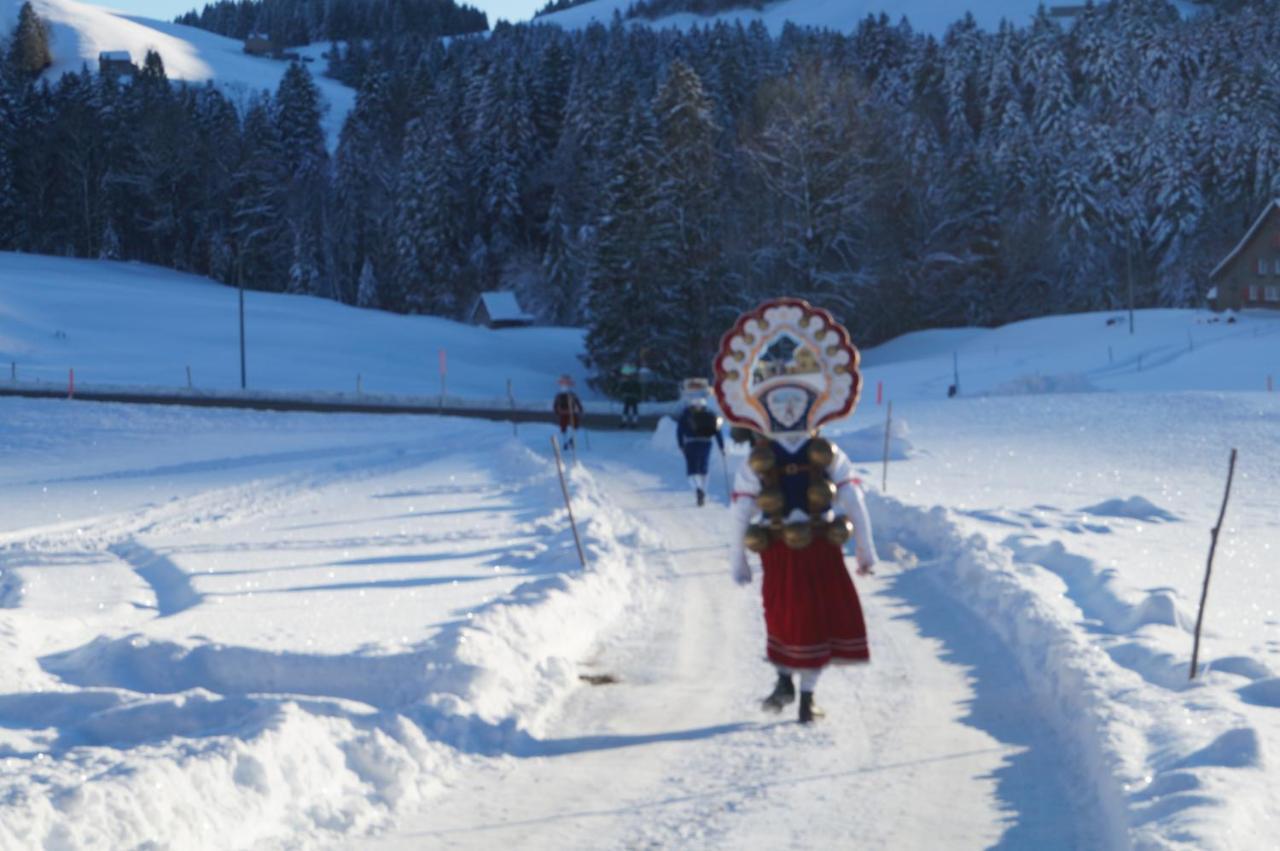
x: 929, y: 16
x: 79, y: 32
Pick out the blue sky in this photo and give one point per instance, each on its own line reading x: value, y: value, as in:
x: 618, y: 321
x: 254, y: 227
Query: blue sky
x: 167, y: 10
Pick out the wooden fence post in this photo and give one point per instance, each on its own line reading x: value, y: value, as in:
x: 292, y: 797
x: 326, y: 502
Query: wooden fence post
x: 888, y: 425
x: 1208, y: 569
x: 564, y: 489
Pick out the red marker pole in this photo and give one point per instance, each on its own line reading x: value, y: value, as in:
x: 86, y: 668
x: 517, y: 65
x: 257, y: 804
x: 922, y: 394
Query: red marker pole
x: 879, y: 392
x: 1270, y: 386
x: 71, y: 383
x: 444, y: 373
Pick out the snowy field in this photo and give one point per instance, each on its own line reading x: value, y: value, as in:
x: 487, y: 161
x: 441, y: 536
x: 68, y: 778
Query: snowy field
x: 927, y: 16
x: 226, y: 629
x: 136, y: 325
x: 80, y: 31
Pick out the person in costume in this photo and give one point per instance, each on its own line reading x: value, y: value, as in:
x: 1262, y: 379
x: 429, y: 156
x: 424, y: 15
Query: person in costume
x: 783, y: 371
x: 630, y: 389
x: 695, y: 429
x: 568, y: 410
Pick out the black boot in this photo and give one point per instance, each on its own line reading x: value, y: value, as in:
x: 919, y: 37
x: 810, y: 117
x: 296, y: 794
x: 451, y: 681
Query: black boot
x: 702, y: 496
x: 783, y: 693
x: 809, y: 711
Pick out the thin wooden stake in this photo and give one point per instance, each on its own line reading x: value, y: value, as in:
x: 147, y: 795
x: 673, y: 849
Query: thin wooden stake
x: 188, y: 376
x: 564, y: 489
x: 888, y: 423
x: 1208, y: 569
x: 511, y: 397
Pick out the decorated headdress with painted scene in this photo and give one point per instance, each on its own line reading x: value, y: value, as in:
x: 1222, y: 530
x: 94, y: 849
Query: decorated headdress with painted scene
x: 785, y: 369
x: 695, y: 391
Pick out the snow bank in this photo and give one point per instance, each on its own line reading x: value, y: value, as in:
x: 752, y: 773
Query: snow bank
x: 1121, y: 708
x: 1135, y: 507
x: 137, y: 722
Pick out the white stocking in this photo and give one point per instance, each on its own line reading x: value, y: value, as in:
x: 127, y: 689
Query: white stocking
x: 809, y: 678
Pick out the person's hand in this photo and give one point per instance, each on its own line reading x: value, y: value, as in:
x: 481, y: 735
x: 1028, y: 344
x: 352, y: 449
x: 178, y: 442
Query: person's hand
x: 742, y: 570
x: 866, y: 568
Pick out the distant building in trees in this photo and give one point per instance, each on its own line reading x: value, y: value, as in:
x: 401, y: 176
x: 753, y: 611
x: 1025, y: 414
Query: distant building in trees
x: 116, y: 63
x: 499, y: 310
x: 1067, y: 11
x: 1250, y: 275
x: 259, y: 44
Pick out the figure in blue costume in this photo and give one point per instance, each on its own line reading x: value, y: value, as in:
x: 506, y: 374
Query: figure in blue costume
x: 696, y: 428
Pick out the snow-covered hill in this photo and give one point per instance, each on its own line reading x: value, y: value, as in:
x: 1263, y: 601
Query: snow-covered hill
x: 80, y: 31
x: 929, y: 16
x: 128, y: 323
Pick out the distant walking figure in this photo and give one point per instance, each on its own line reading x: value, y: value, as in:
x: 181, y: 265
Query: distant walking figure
x: 695, y: 430
x: 630, y: 387
x: 568, y: 410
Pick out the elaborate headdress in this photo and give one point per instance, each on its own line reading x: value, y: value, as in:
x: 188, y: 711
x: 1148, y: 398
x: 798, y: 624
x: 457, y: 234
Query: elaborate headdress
x: 695, y: 390
x: 786, y: 368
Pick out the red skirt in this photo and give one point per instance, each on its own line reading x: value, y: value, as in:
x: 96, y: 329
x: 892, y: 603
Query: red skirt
x: 811, y: 609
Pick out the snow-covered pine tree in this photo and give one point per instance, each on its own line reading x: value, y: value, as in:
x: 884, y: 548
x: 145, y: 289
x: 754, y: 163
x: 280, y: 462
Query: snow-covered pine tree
x: 29, y: 52
x: 11, y: 219
x: 304, y: 276
x: 429, y: 222
x: 687, y: 177
x: 630, y: 306
x: 305, y: 161
x: 560, y: 293
x: 259, y: 235
x: 109, y: 245
x: 809, y: 155
x: 364, y: 182
x: 367, y: 291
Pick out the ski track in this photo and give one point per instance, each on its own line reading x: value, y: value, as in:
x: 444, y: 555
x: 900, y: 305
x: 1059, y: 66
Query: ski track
x: 677, y: 753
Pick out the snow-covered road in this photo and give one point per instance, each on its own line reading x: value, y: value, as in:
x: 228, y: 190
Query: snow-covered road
x: 938, y: 739
x: 227, y: 629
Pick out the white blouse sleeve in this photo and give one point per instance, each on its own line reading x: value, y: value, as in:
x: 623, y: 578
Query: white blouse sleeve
x: 853, y: 504
x: 742, y: 506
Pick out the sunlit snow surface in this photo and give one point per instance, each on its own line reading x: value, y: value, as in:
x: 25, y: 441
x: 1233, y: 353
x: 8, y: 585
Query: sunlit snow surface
x: 80, y: 31
x: 232, y: 629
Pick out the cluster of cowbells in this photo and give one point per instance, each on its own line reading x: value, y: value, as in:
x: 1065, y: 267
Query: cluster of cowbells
x: 820, y: 495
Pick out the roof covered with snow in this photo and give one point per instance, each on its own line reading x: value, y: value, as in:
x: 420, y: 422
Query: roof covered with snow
x: 502, y: 306
x: 1244, y: 242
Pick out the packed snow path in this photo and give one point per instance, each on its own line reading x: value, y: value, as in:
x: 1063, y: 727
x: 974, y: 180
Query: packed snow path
x: 232, y: 629
x: 936, y: 740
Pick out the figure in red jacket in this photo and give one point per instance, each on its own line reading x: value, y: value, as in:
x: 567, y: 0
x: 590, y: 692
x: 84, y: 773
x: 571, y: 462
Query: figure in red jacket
x: 568, y: 410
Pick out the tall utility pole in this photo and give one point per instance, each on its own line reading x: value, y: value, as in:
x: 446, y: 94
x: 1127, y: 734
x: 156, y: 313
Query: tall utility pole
x: 240, y: 282
x: 1128, y: 256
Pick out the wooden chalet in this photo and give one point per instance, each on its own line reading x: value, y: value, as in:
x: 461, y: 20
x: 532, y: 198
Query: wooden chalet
x: 1250, y: 275
x: 116, y: 64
